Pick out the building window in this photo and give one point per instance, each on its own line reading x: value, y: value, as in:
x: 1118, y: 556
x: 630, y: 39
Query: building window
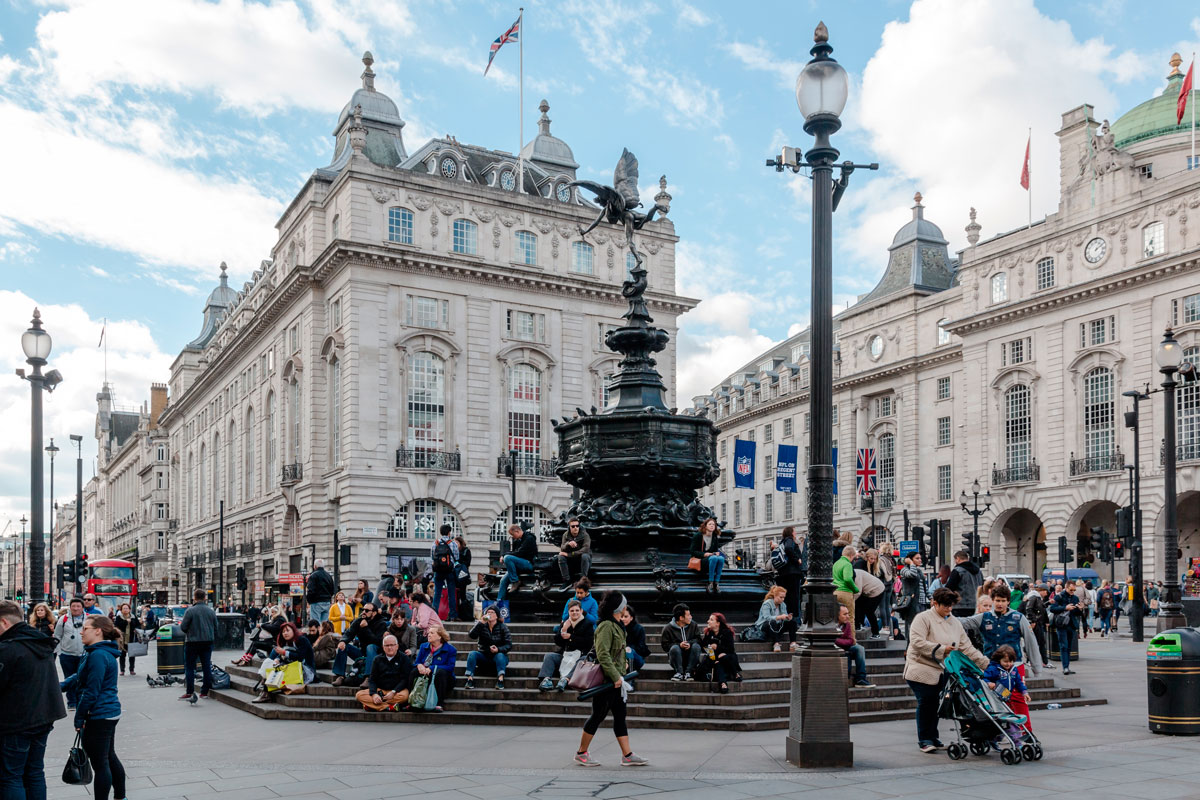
x: 799, y: 352
x: 526, y: 326
x: 723, y: 515
x: 1098, y: 413
x: 1016, y: 351
x: 248, y: 445
x: 335, y: 313
x: 804, y: 377
x: 999, y: 287
x: 723, y: 486
x: 788, y: 505
x: 525, y: 410
x: 273, y: 475
x: 1102, y: 330
x: 1045, y: 273
x: 945, y: 489
x: 538, y: 520
x: 426, y: 402
x: 160, y: 479
x: 400, y: 225
x: 750, y: 435
x: 294, y: 418
x: 768, y: 432
x: 162, y: 540
x: 294, y: 338
x: 807, y: 423
x: 160, y: 510
x: 1017, y: 427
x: 876, y: 346
x: 631, y: 262
x: 428, y: 312
x: 887, y: 465
x: 1193, y: 162
x: 943, y: 431
x: 737, y: 513
x: 943, y: 335
x: 161, y: 454
x: 527, y: 248
x: 724, y: 449
x: 335, y: 230
x: 751, y: 511
x: 466, y: 237
x: 884, y: 406
x: 422, y: 517
x: 231, y: 484
x: 203, y: 482
x: 398, y: 525
x: 605, y: 392
x: 1146, y: 170
x: 833, y: 420
x: 582, y: 256
x: 943, y: 388
x: 768, y: 466
x: 1185, y: 311
x: 1154, y: 240
x: 787, y: 428
x: 769, y: 508
x: 335, y: 412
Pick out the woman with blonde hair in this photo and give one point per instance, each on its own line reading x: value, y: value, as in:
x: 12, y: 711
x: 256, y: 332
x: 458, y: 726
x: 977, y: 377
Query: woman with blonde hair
x: 774, y: 619
x: 435, y: 659
x: 43, y: 619
x: 341, y: 613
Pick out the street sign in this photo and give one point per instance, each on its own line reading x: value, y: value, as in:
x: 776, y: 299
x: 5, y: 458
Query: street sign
x: 290, y: 577
x: 370, y: 531
x: 909, y: 546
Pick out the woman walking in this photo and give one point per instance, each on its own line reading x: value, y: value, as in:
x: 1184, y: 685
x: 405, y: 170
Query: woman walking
x: 932, y: 635
x: 43, y: 619
x: 126, y: 622
x: 97, y: 708
x: 610, y: 654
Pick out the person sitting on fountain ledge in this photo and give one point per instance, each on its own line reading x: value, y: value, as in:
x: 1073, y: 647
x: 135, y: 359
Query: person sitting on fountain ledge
x: 706, y: 546
x: 520, y: 560
x: 681, y: 642
x: 576, y: 546
x: 583, y: 594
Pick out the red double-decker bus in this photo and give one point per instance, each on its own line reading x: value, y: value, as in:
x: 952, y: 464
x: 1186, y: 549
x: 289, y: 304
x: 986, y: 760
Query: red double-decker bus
x: 113, y: 581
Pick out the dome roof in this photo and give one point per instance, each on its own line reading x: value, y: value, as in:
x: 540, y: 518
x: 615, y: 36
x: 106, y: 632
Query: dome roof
x: 918, y: 259
x: 224, y: 295
x: 548, y: 149
x: 1155, y: 117
x: 918, y: 228
x: 219, y: 302
x: 376, y: 106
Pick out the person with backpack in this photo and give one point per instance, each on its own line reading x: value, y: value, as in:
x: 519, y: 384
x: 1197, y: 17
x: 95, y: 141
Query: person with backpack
x: 1106, y: 603
x: 318, y: 591
x: 788, y: 561
x: 445, y: 556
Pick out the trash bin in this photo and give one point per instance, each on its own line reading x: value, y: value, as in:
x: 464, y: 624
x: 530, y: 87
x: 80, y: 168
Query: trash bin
x: 1173, y: 678
x: 170, y: 649
x: 1055, y: 656
x: 231, y: 632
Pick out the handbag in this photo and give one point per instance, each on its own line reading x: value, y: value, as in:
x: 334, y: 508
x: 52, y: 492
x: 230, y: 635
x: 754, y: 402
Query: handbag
x: 78, y: 771
x: 136, y: 649
x: 462, y: 574
x: 431, y: 695
x: 220, y: 678
x: 1062, y: 620
x: 420, y: 692
x: 903, y: 602
x: 569, y: 659
x: 587, y: 674
x: 754, y: 633
x: 694, y: 563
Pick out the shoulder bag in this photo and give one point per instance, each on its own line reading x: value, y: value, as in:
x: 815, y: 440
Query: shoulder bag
x: 420, y: 692
x: 587, y: 674
x: 78, y: 771
x: 694, y: 563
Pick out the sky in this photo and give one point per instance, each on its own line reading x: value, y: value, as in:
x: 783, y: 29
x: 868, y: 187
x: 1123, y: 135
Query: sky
x: 147, y: 141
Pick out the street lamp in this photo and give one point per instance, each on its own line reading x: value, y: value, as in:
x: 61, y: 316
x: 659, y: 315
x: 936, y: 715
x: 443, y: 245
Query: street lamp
x: 975, y: 513
x: 24, y: 557
x: 36, y: 344
x: 819, y: 734
x: 1170, y: 615
x: 52, y: 450
x: 78, y: 440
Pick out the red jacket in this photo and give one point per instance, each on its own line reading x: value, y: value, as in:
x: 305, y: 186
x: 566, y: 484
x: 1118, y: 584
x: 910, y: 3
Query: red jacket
x: 846, y: 640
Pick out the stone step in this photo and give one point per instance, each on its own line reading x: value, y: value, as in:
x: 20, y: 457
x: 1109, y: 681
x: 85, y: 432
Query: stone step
x: 1039, y: 705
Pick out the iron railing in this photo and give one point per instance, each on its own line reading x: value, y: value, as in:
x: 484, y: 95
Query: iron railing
x: 266, y: 545
x: 528, y: 466
x: 1026, y: 473
x: 882, y: 500
x: 1110, y: 462
x: 1188, y: 451
x: 292, y: 473
x: 428, y: 459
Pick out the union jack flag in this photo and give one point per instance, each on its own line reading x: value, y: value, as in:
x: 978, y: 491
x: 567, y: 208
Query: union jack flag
x: 513, y: 34
x: 865, y: 471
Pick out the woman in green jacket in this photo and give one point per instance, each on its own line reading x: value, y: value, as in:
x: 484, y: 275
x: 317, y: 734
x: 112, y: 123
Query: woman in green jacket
x: 610, y: 655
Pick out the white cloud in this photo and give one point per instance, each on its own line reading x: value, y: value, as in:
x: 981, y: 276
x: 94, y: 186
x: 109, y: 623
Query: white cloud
x: 756, y: 56
x: 689, y: 15
x: 99, y: 273
x: 705, y: 361
x: 17, y: 250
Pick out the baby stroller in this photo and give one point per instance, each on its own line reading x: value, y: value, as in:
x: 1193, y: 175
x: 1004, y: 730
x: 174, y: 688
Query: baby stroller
x: 981, y: 717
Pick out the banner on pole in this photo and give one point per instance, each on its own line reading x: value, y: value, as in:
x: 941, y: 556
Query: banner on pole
x: 865, y: 472
x: 743, y: 464
x: 785, y: 468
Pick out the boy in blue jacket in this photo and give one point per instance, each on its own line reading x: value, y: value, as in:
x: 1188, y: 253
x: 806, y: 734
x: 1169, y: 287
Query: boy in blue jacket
x: 1004, y: 676
x: 583, y: 593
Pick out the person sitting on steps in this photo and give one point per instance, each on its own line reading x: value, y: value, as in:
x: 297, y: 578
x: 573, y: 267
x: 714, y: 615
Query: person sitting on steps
x: 719, y: 661
x: 519, y: 560
x: 494, y: 643
x: 775, y: 621
x: 680, y: 640
x: 574, y: 636
x: 324, y: 643
x: 636, y: 649
x: 436, y: 658
x: 855, y: 652
x: 583, y: 593
x: 368, y: 631
x: 407, y: 635
x: 576, y: 546
x: 706, y: 546
x: 387, y: 682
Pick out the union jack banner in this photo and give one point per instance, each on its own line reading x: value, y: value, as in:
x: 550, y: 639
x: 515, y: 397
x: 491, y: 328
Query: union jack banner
x: 513, y: 34
x: 865, y: 471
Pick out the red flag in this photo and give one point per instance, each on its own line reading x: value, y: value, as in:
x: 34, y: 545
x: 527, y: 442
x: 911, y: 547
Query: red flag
x: 1025, y: 166
x: 1184, y: 91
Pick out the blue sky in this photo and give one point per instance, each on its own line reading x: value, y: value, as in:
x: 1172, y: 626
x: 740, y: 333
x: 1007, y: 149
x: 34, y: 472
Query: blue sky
x: 148, y: 141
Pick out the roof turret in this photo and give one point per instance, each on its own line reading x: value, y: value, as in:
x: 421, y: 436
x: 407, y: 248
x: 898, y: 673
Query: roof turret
x: 546, y: 149
x: 380, y: 117
x: 1155, y: 117
x: 918, y: 258
x: 219, y: 302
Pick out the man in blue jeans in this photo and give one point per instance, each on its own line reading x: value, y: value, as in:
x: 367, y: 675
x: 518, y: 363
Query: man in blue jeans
x: 31, y: 701
x: 367, y: 630
x: 200, y: 627
x: 519, y: 560
x: 1065, y: 603
x: 444, y: 555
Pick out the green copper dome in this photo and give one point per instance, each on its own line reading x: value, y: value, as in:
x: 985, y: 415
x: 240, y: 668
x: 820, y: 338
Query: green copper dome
x: 1155, y: 117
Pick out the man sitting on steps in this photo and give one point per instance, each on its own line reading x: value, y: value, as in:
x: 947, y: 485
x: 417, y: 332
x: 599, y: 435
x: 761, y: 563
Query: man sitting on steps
x: 576, y: 546
x: 520, y: 560
x: 681, y: 642
x: 367, y: 630
x: 387, y: 682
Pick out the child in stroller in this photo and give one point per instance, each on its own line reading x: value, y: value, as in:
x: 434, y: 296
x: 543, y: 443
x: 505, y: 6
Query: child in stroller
x: 1004, y: 677
x: 981, y: 717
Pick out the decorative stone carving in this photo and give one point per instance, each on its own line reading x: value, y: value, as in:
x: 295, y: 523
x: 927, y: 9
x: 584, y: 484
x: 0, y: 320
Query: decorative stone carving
x: 652, y: 246
x: 496, y: 236
x: 543, y: 225
x: 611, y: 256
x: 973, y: 228
x: 448, y: 207
x: 565, y: 231
x: 422, y: 202
x: 485, y: 215
x: 382, y: 195
x: 509, y: 219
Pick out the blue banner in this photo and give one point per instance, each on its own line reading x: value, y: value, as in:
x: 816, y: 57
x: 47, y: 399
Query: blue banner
x: 835, y: 469
x: 785, y: 468
x: 743, y: 464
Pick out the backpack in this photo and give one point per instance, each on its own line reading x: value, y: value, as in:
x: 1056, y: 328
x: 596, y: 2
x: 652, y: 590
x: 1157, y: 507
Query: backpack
x: 1106, y: 600
x: 778, y: 559
x: 443, y: 558
x: 220, y: 678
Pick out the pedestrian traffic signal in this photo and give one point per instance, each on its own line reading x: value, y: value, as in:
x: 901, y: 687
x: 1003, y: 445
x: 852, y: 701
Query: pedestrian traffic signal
x: 1096, y: 539
x: 968, y: 541
x: 1065, y: 554
x: 241, y: 579
x: 1125, y: 524
x: 1118, y: 550
x: 69, y: 574
x: 917, y: 534
x: 985, y: 555
x: 81, y: 569
x: 935, y: 537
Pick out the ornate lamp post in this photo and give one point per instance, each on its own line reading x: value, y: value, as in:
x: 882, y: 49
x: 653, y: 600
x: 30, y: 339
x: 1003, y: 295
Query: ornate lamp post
x: 1169, y: 356
x: 35, y: 342
x: 975, y: 513
x: 53, y: 451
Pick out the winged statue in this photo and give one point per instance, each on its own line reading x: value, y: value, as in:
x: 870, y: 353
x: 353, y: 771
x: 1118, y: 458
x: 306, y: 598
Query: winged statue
x: 619, y: 201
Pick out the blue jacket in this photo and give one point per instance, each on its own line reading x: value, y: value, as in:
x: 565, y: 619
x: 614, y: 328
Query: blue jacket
x: 1007, y: 681
x: 997, y: 630
x: 442, y: 659
x: 96, y: 683
x: 591, y: 609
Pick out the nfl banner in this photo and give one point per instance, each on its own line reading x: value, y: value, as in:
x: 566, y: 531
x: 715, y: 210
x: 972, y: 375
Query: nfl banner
x: 743, y: 464
x: 785, y: 468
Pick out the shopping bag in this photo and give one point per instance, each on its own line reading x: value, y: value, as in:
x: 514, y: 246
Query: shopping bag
x: 587, y: 675
x: 431, y: 696
x: 293, y: 674
x: 569, y: 659
x: 419, y: 692
x: 136, y: 649
x: 274, y: 678
x: 78, y: 771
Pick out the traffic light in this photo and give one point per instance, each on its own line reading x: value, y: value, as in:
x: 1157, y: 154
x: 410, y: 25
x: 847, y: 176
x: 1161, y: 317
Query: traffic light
x: 70, y: 576
x: 935, y: 537
x: 1118, y: 550
x: 1125, y: 525
x: 81, y: 569
x: 985, y: 555
x: 1096, y: 539
x: 917, y: 534
x: 1065, y: 554
x: 241, y: 579
x: 968, y: 540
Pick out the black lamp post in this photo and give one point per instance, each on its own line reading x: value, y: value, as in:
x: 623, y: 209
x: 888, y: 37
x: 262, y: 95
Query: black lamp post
x: 78, y: 440
x: 1170, y: 614
x: 36, y: 343
x: 52, y: 450
x: 1137, y: 617
x: 819, y: 734
x: 24, y: 558
x: 975, y: 513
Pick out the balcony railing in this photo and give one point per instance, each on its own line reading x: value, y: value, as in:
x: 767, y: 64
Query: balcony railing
x: 1188, y: 451
x: 1110, y: 462
x: 429, y: 459
x: 882, y: 500
x: 528, y: 466
x: 266, y: 545
x: 292, y: 473
x: 1027, y: 473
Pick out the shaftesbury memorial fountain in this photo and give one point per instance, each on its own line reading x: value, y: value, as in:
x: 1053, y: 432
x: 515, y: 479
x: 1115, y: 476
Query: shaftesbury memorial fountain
x: 638, y: 463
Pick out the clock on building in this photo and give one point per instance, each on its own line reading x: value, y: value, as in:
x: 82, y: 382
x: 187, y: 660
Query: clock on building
x: 1095, y: 250
x: 508, y: 181
x: 449, y: 167
x: 563, y: 192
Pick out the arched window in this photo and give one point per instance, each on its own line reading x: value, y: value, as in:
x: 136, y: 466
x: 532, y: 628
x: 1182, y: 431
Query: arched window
x: 583, y: 258
x: 1187, y: 405
x: 426, y: 405
x: 943, y: 335
x: 248, y: 454
x: 1000, y: 287
x: 400, y: 225
x: 605, y: 394
x: 421, y: 519
x: 273, y: 475
x: 293, y: 423
x: 887, y: 469
x: 1017, y: 442
x: 1098, y: 410
x: 335, y: 412
x: 203, y: 482
x: 538, y: 518
x: 525, y: 410
x: 466, y: 237
x: 526, y: 248
x: 231, y: 466
x: 631, y: 261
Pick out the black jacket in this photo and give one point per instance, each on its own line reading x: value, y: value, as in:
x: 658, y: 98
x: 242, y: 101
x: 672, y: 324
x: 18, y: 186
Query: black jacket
x: 699, y: 543
x: 526, y: 547
x: 582, y: 637
x: 126, y: 627
x: 498, y: 636
x: 1058, y: 605
x: 966, y: 580
x: 320, y: 588
x: 371, y: 633
x: 673, y: 635
x: 1034, y: 609
x: 299, y: 649
x: 29, y: 692
x: 635, y: 639
x: 389, y: 675
x: 464, y: 556
x: 722, y: 641
x: 793, y: 556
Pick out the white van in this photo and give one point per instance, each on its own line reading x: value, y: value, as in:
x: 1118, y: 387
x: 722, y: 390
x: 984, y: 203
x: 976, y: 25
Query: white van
x: 1014, y: 579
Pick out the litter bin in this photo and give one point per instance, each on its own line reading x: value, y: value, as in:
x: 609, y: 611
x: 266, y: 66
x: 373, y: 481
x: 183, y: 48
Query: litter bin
x: 1055, y: 655
x: 231, y: 632
x: 170, y: 649
x: 1173, y: 678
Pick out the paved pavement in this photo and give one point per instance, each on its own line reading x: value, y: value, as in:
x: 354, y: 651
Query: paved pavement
x: 172, y: 750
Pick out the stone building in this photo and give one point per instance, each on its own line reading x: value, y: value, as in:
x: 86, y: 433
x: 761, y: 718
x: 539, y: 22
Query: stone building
x: 1007, y: 364
x: 422, y: 314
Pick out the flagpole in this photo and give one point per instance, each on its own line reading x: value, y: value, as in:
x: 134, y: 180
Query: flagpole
x: 1193, y: 98
x: 521, y: 99
x: 1029, y: 191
